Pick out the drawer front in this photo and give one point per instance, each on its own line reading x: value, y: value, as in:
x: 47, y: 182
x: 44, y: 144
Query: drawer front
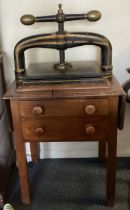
x: 55, y: 108
x: 63, y: 129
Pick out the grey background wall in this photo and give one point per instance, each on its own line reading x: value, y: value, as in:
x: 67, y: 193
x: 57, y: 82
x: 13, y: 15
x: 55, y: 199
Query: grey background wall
x: 115, y: 24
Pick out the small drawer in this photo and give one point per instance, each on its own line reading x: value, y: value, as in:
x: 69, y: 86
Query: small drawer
x: 57, y: 108
x: 64, y: 129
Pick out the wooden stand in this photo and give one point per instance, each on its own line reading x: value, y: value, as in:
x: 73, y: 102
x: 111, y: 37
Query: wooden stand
x: 67, y: 112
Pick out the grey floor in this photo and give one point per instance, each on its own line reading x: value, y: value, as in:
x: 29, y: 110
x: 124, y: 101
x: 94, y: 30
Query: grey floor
x: 71, y: 184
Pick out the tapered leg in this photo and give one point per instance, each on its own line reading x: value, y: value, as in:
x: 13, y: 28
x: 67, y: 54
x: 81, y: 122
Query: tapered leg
x: 20, y: 152
x: 22, y: 169
x: 112, y: 152
x: 111, y: 169
x: 102, y: 150
x: 111, y: 181
x: 34, y: 148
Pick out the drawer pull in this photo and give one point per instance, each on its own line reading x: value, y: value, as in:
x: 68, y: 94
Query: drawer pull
x: 89, y: 129
x: 39, y: 131
x: 90, y: 109
x: 37, y: 110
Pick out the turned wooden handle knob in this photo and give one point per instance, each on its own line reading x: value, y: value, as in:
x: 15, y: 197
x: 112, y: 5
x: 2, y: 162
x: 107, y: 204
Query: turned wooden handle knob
x: 89, y: 129
x: 39, y: 131
x: 90, y: 109
x: 37, y: 110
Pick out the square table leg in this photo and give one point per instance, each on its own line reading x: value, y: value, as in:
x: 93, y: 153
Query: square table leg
x: 34, y: 148
x: 102, y: 150
x: 111, y: 168
x: 20, y: 153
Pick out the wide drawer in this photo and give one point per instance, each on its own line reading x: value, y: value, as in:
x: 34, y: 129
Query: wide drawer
x: 55, y: 108
x: 63, y: 129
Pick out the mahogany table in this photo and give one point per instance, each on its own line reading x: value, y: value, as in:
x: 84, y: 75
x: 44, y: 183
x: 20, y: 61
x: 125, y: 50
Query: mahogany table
x: 84, y: 111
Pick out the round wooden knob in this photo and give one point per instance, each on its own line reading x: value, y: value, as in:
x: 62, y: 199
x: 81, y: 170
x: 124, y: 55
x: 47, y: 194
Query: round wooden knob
x: 39, y: 131
x: 27, y: 19
x: 89, y: 129
x: 90, y: 109
x: 37, y: 110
